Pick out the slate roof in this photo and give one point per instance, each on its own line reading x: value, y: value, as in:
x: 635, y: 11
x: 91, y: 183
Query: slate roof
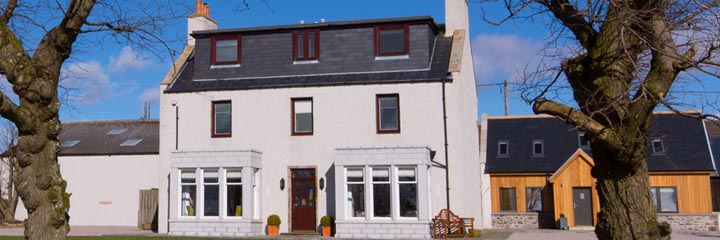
x: 94, y: 140
x: 686, y: 148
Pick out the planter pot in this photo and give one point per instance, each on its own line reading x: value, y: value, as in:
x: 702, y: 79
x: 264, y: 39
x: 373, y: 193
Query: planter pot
x: 273, y: 230
x: 326, y: 231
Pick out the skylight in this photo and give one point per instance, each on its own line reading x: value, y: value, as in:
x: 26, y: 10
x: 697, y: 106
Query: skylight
x: 69, y: 143
x: 130, y: 142
x: 116, y: 131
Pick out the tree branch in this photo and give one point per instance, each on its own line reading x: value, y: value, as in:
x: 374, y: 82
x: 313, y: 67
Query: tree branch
x: 58, y: 42
x: 574, y: 117
x: 573, y: 20
x: 10, y: 110
x: 8, y: 12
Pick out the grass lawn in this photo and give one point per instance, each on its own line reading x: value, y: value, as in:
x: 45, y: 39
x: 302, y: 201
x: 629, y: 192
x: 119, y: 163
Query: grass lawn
x: 122, y: 238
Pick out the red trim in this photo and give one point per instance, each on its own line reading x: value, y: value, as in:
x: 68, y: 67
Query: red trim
x: 225, y: 37
x: 212, y: 121
x: 306, y: 45
x: 292, y: 117
x: 404, y: 27
x: 377, y: 113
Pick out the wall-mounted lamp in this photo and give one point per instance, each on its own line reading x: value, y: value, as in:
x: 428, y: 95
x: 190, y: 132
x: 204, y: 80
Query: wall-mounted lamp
x: 322, y: 183
x: 282, y: 184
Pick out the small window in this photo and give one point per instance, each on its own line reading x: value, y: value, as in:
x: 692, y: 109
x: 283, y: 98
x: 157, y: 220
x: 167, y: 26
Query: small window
x: 391, y: 40
x: 234, y: 193
x: 507, y: 199
x: 221, y: 119
x: 69, y: 143
x: 388, y: 113
x: 381, y: 192
x: 306, y: 45
x: 407, y: 182
x: 225, y: 50
x: 503, y: 148
x: 302, y: 116
x: 657, y: 146
x: 583, y: 142
x: 116, y: 131
x: 130, y: 142
x: 355, y: 192
x: 211, y: 193
x: 665, y: 199
x: 537, y: 147
x: 533, y: 199
x: 187, y: 193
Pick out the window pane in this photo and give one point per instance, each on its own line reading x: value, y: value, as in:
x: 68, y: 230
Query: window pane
x: 408, y: 200
x: 303, y: 116
x: 234, y: 176
x: 537, y: 148
x: 388, y: 113
x: 187, y: 176
x: 507, y: 199
x: 355, y: 175
x: 388, y: 102
x: 300, y: 45
x: 406, y: 174
x: 187, y: 200
x: 668, y: 200
x: 657, y: 146
x: 311, y: 45
x: 583, y: 140
x: 226, y: 50
x: 222, y: 118
x: 533, y: 198
x: 234, y: 200
x: 502, y: 148
x: 210, y: 176
x: 392, y: 40
x: 381, y: 174
x: 356, y: 200
x: 381, y: 200
x: 212, y: 195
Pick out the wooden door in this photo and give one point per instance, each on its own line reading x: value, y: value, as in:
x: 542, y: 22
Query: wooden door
x: 304, y: 199
x: 582, y: 200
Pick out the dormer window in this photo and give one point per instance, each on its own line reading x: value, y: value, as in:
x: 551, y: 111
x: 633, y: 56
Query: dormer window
x: 306, y: 45
x: 657, y: 146
x: 537, y: 147
x: 391, y: 40
x: 503, y: 149
x: 225, y: 50
x: 583, y: 142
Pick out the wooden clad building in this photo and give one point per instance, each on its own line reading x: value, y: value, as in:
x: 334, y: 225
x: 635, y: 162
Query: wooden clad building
x: 540, y: 166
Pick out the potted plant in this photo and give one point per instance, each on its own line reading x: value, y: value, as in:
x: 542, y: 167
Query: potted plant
x: 273, y: 222
x: 326, y: 222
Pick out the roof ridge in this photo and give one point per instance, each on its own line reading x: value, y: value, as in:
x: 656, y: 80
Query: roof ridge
x: 692, y: 111
x: 114, y: 121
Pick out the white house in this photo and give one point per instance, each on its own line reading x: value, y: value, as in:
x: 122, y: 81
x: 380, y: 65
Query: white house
x: 332, y: 118
x: 106, y: 164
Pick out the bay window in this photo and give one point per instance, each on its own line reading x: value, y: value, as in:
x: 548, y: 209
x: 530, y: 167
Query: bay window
x: 218, y: 192
x: 233, y: 192
x: 381, y: 192
x: 393, y: 191
x: 211, y: 193
x: 407, y: 181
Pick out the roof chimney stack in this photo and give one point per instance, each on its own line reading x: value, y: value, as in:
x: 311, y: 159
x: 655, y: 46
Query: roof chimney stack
x: 200, y: 20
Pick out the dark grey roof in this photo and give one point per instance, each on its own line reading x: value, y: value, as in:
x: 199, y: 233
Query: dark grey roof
x: 686, y: 148
x: 94, y: 140
x: 438, y: 71
x: 335, y: 24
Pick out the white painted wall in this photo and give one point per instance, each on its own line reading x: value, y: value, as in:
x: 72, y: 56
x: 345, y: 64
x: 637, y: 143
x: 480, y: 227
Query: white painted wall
x: 95, y: 179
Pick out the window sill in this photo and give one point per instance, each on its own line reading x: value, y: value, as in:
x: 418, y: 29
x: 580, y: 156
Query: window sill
x: 303, y: 62
x: 225, y: 66
x: 388, y: 131
x: 399, y: 57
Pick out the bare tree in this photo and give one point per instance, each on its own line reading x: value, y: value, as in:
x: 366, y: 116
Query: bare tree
x: 36, y: 39
x: 619, y: 60
x: 8, y: 166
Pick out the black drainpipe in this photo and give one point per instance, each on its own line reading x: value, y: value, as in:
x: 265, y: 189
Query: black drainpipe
x: 447, y: 162
x: 177, y: 119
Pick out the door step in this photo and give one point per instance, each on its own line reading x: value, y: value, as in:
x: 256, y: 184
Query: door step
x: 307, y: 233
x: 582, y: 228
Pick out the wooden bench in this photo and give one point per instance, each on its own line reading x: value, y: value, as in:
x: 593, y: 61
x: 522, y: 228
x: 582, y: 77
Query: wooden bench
x: 448, y: 224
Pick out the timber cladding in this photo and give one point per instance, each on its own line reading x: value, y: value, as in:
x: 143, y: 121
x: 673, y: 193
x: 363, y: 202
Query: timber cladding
x: 693, y: 190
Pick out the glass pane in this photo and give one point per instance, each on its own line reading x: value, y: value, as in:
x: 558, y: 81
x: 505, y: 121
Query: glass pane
x: 408, y: 200
x: 657, y: 146
x: 381, y: 200
x: 406, y: 174
x: 388, y: 119
x: 187, y: 176
x: 187, y: 200
x: 311, y: 45
x: 222, y: 107
x: 303, y: 173
x: 226, y: 50
x: 388, y: 102
x: 356, y: 200
x: 537, y: 148
x: 212, y: 203
x: 381, y: 174
x: 210, y: 176
x: 355, y: 175
x: 303, y: 107
x: 533, y: 199
x: 303, y: 122
x: 223, y: 118
x: 668, y: 200
x: 234, y: 200
x: 392, y: 40
x: 502, y: 149
x: 300, y: 45
x: 234, y: 176
x: 507, y: 199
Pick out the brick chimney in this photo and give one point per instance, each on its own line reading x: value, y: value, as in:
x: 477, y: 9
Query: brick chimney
x: 200, y: 20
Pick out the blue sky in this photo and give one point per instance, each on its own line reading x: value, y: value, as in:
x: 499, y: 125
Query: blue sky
x: 111, y: 81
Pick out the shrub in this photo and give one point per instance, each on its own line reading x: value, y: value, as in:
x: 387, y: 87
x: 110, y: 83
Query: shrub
x: 326, y: 221
x: 273, y: 220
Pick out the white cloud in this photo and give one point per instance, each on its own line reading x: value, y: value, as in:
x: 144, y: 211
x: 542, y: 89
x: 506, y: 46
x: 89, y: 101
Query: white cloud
x: 501, y: 56
x: 128, y: 60
x: 150, y: 95
x: 87, y: 83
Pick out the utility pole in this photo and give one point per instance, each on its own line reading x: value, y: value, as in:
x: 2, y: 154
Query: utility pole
x: 505, y: 94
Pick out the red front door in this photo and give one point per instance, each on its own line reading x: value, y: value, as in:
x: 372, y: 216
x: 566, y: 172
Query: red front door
x: 304, y: 199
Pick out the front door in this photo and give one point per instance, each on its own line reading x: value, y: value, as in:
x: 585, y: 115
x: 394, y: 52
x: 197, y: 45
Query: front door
x: 304, y: 196
x: 582, y: 200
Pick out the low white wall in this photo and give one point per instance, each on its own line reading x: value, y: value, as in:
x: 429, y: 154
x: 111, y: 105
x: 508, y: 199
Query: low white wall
x: 105, y: 189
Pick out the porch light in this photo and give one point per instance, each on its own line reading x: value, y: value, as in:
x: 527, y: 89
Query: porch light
x: 282, y: 184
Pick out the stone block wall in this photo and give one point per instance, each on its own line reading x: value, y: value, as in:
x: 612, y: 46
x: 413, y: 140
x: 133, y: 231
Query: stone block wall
x: 216, y: 228
x: 513, y: 220
x: 383, y: 230
x: 691, y: 222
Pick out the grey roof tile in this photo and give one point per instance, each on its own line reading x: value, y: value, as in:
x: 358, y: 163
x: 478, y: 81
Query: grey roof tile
x: 93, y: 137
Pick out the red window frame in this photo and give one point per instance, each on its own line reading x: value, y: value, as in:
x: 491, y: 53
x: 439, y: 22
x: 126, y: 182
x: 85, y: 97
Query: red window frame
x: 306, y: 45
x: 213, y: 49
x: 212, y: 120
x: 292, y: 116
x: 404, y: 27
x: 377, y: 113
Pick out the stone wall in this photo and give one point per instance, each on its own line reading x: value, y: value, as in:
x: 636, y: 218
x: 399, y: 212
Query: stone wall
x: 216, y: 228
x: 383, y: 230
x: 691, y: 222
x: 515, y: 220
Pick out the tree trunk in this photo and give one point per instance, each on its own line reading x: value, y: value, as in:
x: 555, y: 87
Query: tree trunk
x: 626, y: 207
